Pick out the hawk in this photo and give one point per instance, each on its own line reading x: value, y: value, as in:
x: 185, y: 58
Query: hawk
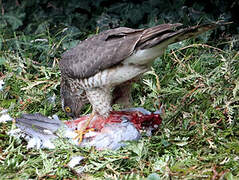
x: 100, y: 69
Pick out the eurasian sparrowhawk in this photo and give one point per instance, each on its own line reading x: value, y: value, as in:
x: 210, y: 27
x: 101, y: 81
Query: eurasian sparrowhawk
x: 106, y: 63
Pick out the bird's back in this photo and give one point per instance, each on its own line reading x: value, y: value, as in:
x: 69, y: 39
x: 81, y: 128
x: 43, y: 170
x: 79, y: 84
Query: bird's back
x: 112, y: 47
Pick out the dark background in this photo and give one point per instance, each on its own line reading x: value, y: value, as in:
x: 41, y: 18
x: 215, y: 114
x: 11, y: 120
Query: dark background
x: 34, y: 16
x: 66, y: 22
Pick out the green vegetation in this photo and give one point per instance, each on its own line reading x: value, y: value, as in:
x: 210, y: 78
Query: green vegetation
x: 196, y: 80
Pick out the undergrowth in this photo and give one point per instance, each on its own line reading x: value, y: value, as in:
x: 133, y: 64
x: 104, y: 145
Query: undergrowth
x: 196, y: 83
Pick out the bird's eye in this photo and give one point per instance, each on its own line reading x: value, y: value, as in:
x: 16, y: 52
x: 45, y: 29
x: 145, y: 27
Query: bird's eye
x: 67, y: 109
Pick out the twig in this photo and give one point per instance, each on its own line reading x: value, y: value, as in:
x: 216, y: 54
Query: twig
x: 190, y: 93
x: 73, y: 171
x: 46, y: 175
x: 198, y: 45
x: 176, y: 57
x: 34, y: 62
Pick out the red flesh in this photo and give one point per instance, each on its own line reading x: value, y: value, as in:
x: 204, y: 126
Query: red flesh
x: 139, y: 120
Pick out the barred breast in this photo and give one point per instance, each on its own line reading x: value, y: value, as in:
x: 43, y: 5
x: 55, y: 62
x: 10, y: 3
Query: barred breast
x: 112, y: 77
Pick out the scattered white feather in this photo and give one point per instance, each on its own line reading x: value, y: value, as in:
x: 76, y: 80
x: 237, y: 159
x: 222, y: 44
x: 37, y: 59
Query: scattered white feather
x: 37, y: 143
x: 34, y: 142
x: 17, y: 133
x: 1, y: 85
x: 48, y: 145
x: 75, y: 160
x: 55, y: 117
x: 68, y: 133
x: 4, y: 116
x: 46, y: 131
x: 80, y: 170
x: 39, y: 40
x: 52, y: 99
x: 149, y: 131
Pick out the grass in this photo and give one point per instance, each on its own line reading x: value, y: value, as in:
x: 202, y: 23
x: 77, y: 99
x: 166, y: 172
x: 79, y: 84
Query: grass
x: 197, y: 83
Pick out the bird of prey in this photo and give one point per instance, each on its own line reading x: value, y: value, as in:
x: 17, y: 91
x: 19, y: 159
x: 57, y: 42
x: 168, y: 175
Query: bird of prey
x: 100, y: 69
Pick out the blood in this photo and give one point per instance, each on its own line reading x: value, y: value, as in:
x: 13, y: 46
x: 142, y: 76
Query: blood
x: 139, y: 120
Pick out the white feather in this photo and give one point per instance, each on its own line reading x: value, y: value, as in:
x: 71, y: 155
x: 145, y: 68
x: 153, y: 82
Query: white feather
x: 146, y: 56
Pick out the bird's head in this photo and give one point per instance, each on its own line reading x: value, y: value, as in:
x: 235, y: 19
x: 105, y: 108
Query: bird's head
x: 72, y: 102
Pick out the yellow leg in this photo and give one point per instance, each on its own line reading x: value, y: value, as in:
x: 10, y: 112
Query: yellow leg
x: 83, y: 130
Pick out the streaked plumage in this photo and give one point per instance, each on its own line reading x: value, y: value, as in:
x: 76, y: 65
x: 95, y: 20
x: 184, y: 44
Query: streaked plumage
x: 102, y: 62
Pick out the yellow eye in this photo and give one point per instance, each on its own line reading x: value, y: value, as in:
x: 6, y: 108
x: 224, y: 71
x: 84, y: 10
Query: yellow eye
x: 67, y: 109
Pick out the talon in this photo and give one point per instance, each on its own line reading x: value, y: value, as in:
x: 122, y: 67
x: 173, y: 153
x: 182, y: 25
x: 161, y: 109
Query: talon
x: 83, y: 129
x: 81, y: 133
x: 88, y: 130
x: 79, y: 136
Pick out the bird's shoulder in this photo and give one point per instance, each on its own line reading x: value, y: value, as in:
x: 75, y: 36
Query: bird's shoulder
x: 99, y: 52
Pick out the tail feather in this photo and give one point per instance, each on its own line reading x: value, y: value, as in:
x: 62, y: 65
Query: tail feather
x: 156, y: 31
x: 157, y: 35
x: 38, y: 122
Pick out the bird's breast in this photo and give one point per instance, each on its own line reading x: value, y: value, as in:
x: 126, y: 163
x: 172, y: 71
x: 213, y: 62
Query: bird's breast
x: 112, y: 76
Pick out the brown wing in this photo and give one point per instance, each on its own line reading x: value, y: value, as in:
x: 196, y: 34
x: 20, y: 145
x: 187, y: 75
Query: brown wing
x: 107, y: 49
x: 175, y: 36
